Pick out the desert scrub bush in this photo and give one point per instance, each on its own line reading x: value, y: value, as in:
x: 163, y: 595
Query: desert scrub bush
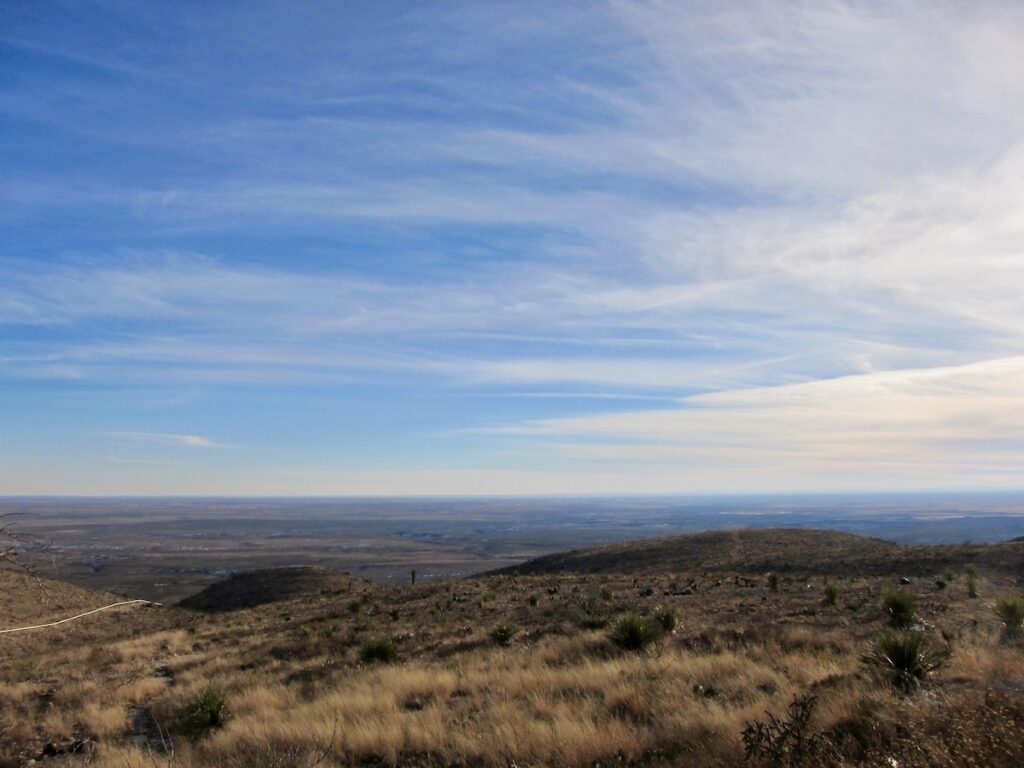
x: 533, y: 599
x: 665, y: 615
x: 972, y: 585
x: 503, y: 632
x: 773, y: 582
x: 831, y: 594
x: 378, y: 649
x: 1009, y: 609
x: 207, y: 711
x: 634, y: 633
x: 904, y: 658
x: 592, y: 621
x: 787, y: 742
x: 899, y: 607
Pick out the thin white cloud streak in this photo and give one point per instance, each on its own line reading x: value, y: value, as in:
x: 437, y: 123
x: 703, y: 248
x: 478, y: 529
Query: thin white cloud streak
x: 165, y: 438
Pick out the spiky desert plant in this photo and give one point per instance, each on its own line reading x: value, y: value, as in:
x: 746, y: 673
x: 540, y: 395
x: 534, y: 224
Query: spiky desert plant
x: 503, y: 632
x: 207, y: 711
x: 904, y: 658
x: 831, y: 594
x: 1010, y: 611
x: 899, y: 607
x: 972, y: 585
x: 634, y: 633
x: 378, y: 649
x: 665, y: 615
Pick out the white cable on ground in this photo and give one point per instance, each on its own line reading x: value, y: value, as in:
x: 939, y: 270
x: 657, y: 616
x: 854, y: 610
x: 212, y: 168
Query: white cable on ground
x: 72, y: 618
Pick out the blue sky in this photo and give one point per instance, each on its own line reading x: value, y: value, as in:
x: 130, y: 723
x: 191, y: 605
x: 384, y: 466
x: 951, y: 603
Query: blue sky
x: 473, y: 248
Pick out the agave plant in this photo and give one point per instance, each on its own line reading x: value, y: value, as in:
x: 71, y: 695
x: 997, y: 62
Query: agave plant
x: 378, y: 650
x: 634, y: 633
x: 208, y: 710
x: 899, y: 607
x: 503, y: 632
x: 1010, y: 610
x: 905, y: 658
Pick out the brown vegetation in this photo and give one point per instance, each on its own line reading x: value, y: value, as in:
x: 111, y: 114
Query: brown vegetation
x: 292, y: 686
x: 777, y: 550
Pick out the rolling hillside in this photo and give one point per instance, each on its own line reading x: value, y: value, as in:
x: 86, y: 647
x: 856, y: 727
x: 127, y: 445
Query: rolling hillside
x: 271, y: 585
x: 776, y: 549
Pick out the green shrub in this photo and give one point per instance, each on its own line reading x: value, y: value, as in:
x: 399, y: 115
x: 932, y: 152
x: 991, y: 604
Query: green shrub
x: 503, y: 632
x: 972, y: 585
x: 606, y: 594
x: 773, y: 582
x: 899, y: 608
x: 634, y: 633
x: 904, y: 658
x: 1010, y: 610
x: 831, y: 594
x: 533, y: 599
x: 665, y: 615
x: 207, y: 711
x: 378, y: 649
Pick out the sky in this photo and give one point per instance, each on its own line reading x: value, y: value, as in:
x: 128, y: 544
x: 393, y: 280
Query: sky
x: 376, y: 248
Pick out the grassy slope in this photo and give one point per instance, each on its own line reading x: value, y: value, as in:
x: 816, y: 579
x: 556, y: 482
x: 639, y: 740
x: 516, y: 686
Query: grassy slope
x: 559, y: 694
x: 247, y: 590
x: 776, y: 549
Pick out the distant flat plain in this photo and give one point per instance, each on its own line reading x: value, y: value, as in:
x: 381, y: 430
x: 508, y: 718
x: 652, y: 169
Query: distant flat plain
x: 167, y: 548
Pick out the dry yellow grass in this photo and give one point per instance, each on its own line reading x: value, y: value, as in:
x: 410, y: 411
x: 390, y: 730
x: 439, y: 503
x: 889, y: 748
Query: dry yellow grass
x: 558, y: 695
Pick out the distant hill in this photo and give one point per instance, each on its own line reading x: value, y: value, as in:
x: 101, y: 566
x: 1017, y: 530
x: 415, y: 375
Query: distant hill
x: 247, y: 590
x: 28, y: 599
x: 776, y: 549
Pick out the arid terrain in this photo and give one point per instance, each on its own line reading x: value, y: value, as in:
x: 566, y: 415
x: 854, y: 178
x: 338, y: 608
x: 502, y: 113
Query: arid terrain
x: 718, y: 649
x: 166, y: 549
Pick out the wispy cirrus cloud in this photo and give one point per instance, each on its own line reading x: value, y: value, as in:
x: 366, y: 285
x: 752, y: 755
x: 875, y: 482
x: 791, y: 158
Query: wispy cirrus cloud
x: 767, y: 212
x: 165, y: 438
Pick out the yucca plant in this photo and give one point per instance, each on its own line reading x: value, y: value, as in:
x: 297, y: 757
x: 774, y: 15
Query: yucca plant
x: 831, y: 594
x: 972, y: 586
x: 378, y: 649
x: 634, y: 633
x: 899, y: 607
x: 503, y: 632
x: 1010, y: 610
x: 904, y: 658
x: 208, y: 710
x: 665, y: 615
